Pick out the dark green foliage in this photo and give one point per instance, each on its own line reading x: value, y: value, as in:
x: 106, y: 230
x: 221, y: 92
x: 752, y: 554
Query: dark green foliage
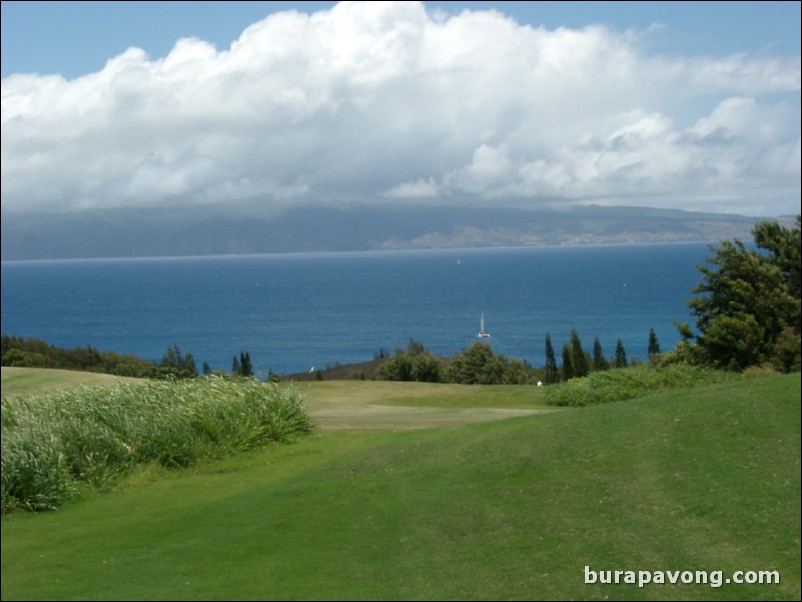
x: 33, y: 353
x: 654, y: 346
x: 478, y: 365
x: 568, y: 363
x: 748, y: 308
x: 242, y: 366
x: 178, y: 364
x: 599, y: 361
x: 473, y: 366
x: 425, y: 368
x: 552, y: 372
x: 783, y: 246
x: 620, y: 355
x: 27, y: 359
x: 580, y: 359
x: 414, y: 364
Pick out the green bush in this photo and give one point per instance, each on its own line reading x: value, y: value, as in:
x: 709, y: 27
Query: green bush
x: 92, y: 435
x: 628, y: 383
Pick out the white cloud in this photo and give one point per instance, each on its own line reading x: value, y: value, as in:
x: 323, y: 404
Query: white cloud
x: 381, y: 100
x: 419, y: 189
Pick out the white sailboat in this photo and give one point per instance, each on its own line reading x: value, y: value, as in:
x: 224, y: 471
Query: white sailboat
x: 482, y: 332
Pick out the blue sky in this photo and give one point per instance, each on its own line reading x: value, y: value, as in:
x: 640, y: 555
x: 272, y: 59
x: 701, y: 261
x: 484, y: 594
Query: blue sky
x: 692, y: 105
x: 76, y: 38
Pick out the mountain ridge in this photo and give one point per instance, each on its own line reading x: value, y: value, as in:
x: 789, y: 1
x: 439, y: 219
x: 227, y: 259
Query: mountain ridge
x: 193, y: 231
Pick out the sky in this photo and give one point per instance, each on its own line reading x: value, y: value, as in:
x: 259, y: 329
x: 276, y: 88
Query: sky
x: 685, y: 105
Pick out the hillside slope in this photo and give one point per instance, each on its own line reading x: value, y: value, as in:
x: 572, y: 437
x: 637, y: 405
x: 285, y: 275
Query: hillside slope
x: 243, y: 230
x: 705, y: 480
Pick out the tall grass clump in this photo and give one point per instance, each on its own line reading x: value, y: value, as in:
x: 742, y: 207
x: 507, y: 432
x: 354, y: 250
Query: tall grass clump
x: 55, y: 444
x: 628, y: 383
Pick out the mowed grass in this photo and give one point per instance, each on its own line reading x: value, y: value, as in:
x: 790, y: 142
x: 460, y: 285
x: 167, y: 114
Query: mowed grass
x: 707, y: 479
x: 398, y: 405
x: 25, y: 381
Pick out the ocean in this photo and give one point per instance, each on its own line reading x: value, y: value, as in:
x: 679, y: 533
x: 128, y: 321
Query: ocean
x: 293, y: 312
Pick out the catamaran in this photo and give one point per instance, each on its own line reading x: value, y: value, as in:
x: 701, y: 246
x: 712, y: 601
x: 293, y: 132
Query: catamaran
x: 482, y: 332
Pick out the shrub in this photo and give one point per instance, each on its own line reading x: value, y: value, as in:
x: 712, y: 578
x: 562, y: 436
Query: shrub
x: 628, y: 383
x: 90, y: 436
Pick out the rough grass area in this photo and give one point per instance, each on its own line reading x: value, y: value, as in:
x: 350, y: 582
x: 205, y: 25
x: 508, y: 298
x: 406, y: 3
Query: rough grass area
x: 621, y: 384
x: 706, y: 479
x: 55, y: 443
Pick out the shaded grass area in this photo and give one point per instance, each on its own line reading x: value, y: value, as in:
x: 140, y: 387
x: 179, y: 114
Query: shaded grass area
x: 697, y: 480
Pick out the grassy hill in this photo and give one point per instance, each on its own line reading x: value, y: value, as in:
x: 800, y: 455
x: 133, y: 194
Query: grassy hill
x: 22, y: 381
x: 701, y: 480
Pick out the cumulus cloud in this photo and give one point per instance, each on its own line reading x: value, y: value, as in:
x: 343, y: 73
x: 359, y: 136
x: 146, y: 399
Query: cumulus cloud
x: 382, y: 101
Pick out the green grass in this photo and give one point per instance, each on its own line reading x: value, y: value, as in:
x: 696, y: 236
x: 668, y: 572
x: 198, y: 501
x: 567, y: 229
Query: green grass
x: 398, y: 405
x: 424, y: 394
x: 57, y: 442
x: 25, y: 381
x: 706, y: 479
x: 620, y: 384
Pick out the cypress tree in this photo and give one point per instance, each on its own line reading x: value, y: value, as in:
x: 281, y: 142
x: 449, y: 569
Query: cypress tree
x: 620, y: 355
x: 568, y: 364
x: 579, y: 358
x: 654, y: 346
x: 552, y: 372
x: 599, y: 361
x: 245, y: 366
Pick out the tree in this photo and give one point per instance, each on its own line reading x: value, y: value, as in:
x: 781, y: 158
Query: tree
x: 783, y: 247
x: 620, y: 355
x: 242, y: 366
x: 178, y: 364
x: 416, y: 364
x: 245, y: 365
x: 654, y: 346
x: 748, y: 308
x: 469, y: 367
x: 579, y: 359
x: 425, y: 368
x: 552, y: 372
x: 478, y: 365
x: 599, y: 361
x: 568, y: 363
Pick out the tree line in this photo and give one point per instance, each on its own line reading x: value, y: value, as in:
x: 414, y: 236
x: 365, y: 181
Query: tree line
x: 478, y: 364
x: 22, y: 352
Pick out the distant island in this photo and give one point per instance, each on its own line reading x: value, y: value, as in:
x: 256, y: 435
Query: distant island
x: 207, y: 230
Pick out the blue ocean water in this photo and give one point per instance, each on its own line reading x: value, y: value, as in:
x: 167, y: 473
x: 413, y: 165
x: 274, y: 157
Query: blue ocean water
x: 296, y: 311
